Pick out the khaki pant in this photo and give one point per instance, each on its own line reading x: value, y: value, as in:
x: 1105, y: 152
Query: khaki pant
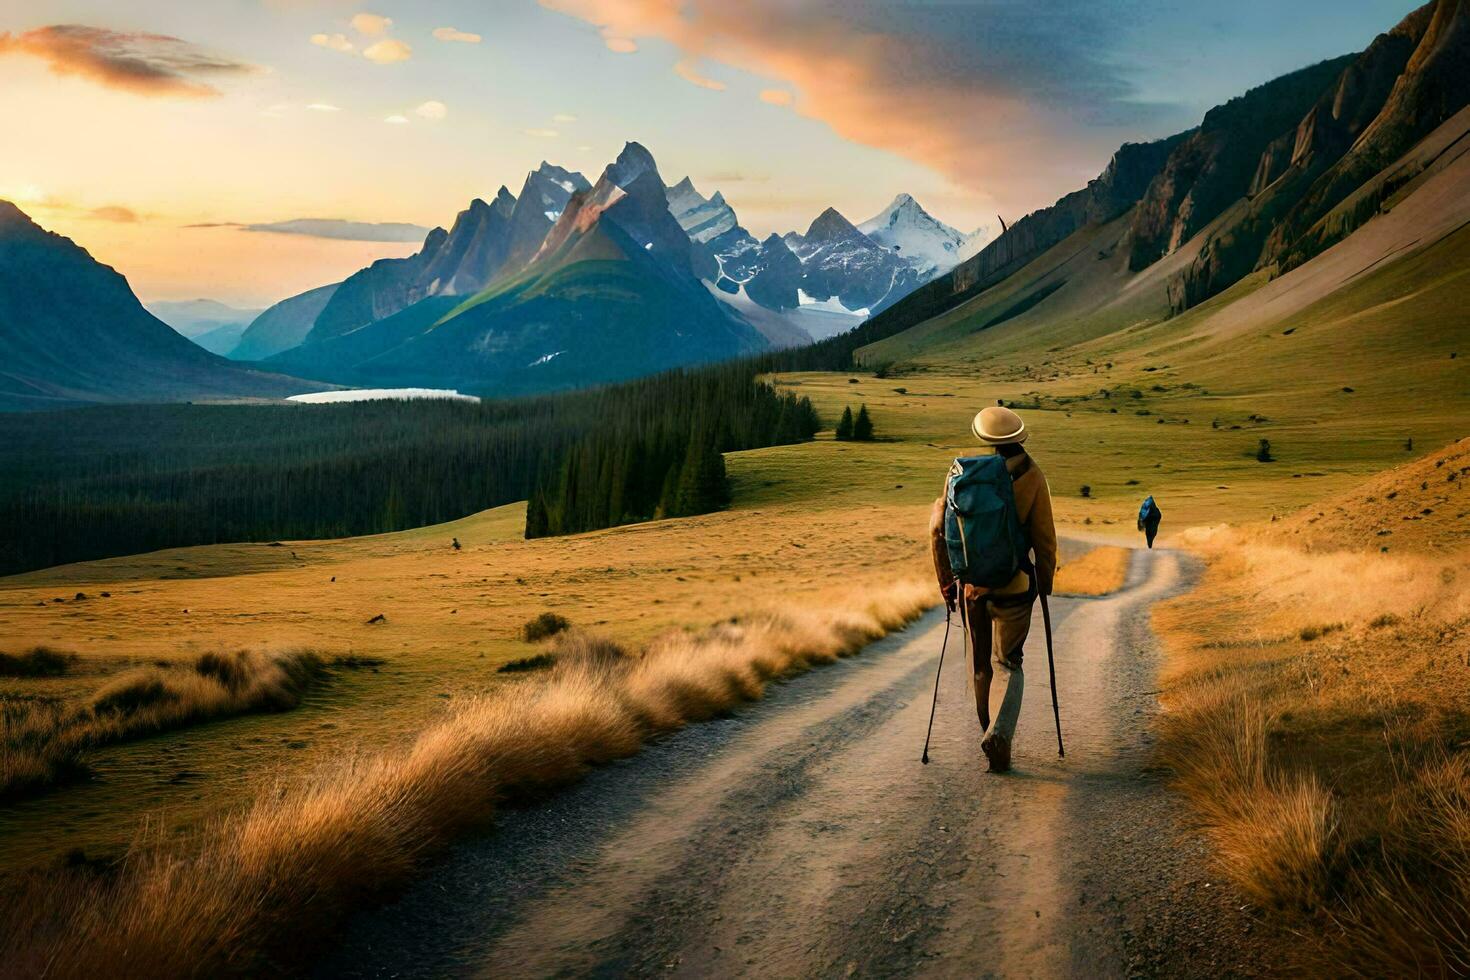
x: 997, y: 627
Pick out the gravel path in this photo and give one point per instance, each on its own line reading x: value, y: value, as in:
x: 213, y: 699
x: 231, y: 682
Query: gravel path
x: 801, y: 838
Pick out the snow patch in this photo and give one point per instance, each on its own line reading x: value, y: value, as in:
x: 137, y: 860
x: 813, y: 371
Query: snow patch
x: 545, y: 358
x: 829, y: 305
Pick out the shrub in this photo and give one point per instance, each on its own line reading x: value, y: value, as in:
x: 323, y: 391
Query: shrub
x: 1263, y: 452
x: 1086, y: 490
x: 525, y: 664
x: 1310, y: 633
x: 37, y: 662
x: 543, y: 627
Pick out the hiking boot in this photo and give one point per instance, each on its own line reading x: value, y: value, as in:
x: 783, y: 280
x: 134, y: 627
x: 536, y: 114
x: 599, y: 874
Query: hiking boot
x: 997, y: 749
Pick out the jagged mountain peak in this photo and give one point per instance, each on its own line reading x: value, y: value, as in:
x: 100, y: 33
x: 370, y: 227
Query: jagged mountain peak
x: 685, y: 186
x: 633, y: 162
x: 569, y: 181
x: 831, y: 226
x: 505, y: 201
x: 916, y: 236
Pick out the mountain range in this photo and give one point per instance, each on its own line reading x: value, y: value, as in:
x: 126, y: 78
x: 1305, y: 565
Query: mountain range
x: 572, y: 282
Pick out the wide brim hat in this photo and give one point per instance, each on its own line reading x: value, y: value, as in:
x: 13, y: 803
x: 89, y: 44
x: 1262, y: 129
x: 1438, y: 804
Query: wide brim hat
x: 996, y: 426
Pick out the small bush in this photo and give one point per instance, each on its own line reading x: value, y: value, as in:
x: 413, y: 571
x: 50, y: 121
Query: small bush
x: 1387, y: 619
x: 544, y: 627
x: 540, y: 661
x: 1263, y: 452
x: 1310, y: 633
x: 1086, y: 490
x: 37, y: 662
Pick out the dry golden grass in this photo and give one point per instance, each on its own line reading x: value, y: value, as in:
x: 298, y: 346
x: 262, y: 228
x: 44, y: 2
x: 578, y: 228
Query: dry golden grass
x: 44, y: 742
x: 1316, y: 718
x: 289, y: 867
x: 1098, y: 572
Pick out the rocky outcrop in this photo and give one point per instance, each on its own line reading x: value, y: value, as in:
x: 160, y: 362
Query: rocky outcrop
x: 1375, y: 109
x: 1218, y: 163
x: 1432, y: 87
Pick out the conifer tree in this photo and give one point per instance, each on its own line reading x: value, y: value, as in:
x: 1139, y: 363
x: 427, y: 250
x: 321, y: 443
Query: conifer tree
x: 844, y: 427
x: 862, y: 428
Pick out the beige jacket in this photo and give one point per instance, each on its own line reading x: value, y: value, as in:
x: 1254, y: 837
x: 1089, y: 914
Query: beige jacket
x: 1033, y: 507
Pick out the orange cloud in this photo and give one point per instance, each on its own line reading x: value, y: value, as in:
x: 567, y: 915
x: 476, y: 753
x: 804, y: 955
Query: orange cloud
x: 686, y: 71
x: 939, y: 84
x: 145, y: 64
x: 114, y: 212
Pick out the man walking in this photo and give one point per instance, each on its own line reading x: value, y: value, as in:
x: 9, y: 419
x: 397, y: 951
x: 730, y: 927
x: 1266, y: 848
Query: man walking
x: 1149, y: 517
x: 998, y: 618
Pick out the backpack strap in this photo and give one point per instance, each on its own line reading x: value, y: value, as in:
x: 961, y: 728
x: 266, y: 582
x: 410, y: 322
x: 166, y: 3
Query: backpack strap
x: 1027, y: 565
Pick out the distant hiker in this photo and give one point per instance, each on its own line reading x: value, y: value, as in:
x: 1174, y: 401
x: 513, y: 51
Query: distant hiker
x: 995, y: 548
x: 1149, y: 516
x: 455, y: 542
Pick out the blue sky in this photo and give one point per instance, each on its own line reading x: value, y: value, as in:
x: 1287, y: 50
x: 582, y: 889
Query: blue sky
x: 976, y: 107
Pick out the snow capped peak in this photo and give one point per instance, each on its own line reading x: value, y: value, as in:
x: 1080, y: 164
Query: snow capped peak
x: 925, y: 242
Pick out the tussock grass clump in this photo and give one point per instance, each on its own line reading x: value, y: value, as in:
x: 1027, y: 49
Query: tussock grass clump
x: 44, y: 743
x: 544, y: 627
x: 288, y: 868
x: 36, y: 662
x: 1310, y: 633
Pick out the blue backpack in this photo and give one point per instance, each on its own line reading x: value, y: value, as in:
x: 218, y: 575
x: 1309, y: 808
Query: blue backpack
x: 982, y: 531
x: 1148, y: 512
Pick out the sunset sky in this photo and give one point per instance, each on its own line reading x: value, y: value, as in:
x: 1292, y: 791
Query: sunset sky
x: 129, y: 125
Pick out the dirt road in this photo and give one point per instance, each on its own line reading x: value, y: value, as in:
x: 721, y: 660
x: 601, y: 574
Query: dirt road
x: 802, y: 838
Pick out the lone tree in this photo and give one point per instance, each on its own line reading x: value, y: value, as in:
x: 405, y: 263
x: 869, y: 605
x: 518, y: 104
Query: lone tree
x: 862, y: 427
x: 844, y: 425
x: 1263, y: 452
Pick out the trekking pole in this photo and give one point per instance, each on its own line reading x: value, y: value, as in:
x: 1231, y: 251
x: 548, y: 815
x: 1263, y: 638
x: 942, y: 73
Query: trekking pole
x: 1051, y: 665
x: 925, y: 758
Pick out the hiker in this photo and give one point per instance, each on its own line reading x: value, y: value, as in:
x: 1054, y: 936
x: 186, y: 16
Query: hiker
x: 1149, y: 517
x: 997, y: 615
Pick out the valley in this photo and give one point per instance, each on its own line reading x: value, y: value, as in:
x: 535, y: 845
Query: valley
x: 618, y: 510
